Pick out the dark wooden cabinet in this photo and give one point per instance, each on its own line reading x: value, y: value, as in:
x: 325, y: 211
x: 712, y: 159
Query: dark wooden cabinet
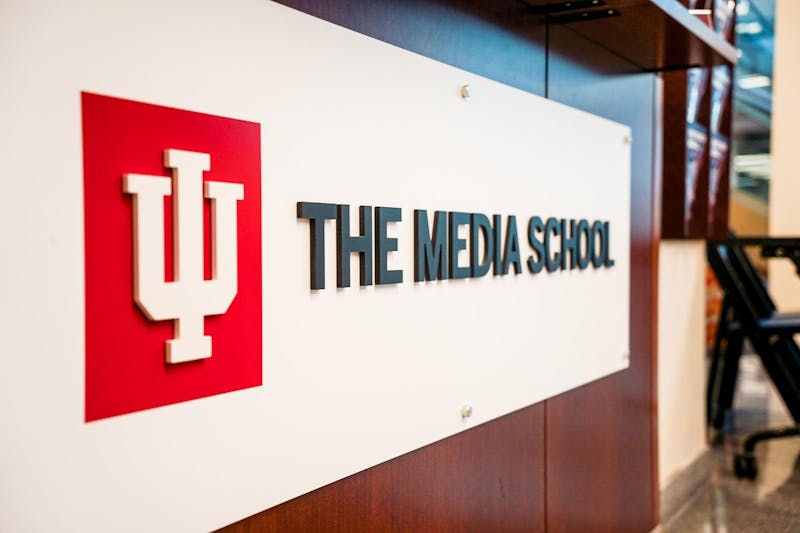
x: 697, y: 133
x: 685, y: 157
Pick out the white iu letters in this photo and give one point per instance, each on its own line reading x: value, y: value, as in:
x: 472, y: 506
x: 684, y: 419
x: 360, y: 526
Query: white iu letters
x: 189, y: 298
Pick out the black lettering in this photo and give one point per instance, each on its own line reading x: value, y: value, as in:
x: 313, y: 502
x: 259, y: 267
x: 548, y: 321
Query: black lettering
x: 498, y: 238
x: 456, y: 245
x: 597, y: 231
x: 583, y: 249
x: 568, y: 244
x: 551, y: 260
x: 430, y: 255
x: 347, y: 244
x: 607, y: 261
x: 479, y: 224
x: 317, y: 214
x: 384, y: 245
x: 511, y: 255
x: 535, y: 225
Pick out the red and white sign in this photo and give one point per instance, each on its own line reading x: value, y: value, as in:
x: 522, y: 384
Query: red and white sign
x: 349, y: 377
x: 173, y: 255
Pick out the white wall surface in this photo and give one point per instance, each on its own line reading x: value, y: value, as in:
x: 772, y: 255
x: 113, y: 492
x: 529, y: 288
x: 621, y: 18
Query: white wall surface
x: 784, y: 216
x: 681, y: 353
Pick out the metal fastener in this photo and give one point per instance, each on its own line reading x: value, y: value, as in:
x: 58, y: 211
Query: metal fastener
x: 466, y: 91
x: 466, y: 411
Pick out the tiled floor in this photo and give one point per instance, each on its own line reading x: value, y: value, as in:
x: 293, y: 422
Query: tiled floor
x: 771, y: 503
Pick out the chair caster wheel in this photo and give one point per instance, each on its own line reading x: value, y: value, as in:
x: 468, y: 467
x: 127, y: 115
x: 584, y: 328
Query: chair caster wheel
x: 744, y: 466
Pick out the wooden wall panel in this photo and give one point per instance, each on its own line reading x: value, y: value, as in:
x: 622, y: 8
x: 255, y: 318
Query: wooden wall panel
x: 500, y: 39
x: 584, y: 461
x: 601, y: 440
x: 490, y: 478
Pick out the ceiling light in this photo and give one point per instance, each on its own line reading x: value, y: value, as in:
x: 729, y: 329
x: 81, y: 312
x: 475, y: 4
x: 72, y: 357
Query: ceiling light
x: 742, y: 8
x: 748, y: 28
x: 754, y: 81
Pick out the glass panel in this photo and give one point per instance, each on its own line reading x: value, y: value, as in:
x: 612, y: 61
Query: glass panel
x: 755, y: 37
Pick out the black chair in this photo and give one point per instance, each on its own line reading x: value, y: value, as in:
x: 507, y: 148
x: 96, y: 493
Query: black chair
x: 749, y: 312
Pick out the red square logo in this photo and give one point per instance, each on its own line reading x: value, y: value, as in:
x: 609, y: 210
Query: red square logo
x: 172, y: 202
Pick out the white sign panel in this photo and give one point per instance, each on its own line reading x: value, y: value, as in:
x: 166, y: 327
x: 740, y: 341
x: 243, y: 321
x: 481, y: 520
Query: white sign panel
x: 127, y: 124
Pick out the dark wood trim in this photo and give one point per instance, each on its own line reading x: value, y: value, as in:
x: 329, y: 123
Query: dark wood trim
x: 652, y: 35
x: 678, y: 220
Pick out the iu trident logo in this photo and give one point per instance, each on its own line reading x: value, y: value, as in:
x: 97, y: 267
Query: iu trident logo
x: 172, y: 227
x: 189, y: 298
